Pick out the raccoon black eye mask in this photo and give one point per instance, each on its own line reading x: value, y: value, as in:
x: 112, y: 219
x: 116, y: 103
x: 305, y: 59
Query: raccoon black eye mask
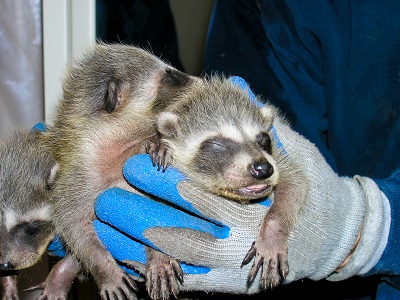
x: 216, y: 153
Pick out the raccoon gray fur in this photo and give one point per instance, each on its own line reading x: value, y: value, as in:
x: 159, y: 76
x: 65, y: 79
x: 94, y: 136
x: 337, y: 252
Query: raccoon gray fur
x: 221, y: 140
x: 27, y: 173
x: 109, y: 107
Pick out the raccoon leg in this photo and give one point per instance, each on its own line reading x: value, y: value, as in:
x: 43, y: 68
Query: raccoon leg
x: 270, y: 249
x: 9, y: 289
x: 59, y: 281
x: 112, y: 281
x: 159, y: 152
x: 163, y: 275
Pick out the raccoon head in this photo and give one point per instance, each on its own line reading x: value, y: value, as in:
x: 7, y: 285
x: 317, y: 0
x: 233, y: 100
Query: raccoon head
x: 235, y: 159
x: 112, y: 79
x: 24, y: 238
x: 27, y: 175
x: 26, y: 228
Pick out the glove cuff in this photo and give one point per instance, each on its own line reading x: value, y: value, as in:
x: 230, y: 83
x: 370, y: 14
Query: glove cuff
x: 388, y: 263
x: 328, y: 227
x: 374, y: 234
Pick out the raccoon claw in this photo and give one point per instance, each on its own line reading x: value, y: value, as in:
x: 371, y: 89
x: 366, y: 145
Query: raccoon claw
x: 274, y: 266
x: 126, y: 290
x: 164, y: 279
x: 160, y: 154
x: 34, y: 288
x: 48, y: 293
x: 8, y: 288
x: 249, y: 255
x: 152, y: 147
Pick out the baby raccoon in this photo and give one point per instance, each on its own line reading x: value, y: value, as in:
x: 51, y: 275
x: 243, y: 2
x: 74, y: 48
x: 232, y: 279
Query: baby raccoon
x: 27, y: 172
x: 221, y: 140
x: 111, y: 99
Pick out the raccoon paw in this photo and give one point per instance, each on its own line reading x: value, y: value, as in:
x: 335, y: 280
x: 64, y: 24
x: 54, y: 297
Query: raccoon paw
x: 163, y: 276
x: 272, y: 260
x: 49, y: 292
x: 119, y: 289
x: 159, y: 152
x: 10, y: 295
x: 9, y: 289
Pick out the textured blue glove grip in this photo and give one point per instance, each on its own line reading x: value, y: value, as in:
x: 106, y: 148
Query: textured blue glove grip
x: 139, y: 171
x: 56, y: 247
x: 133, y: 214
x: 123, y: 248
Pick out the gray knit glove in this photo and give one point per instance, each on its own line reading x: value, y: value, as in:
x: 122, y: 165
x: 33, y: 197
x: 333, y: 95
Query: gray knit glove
x: 325, y: 232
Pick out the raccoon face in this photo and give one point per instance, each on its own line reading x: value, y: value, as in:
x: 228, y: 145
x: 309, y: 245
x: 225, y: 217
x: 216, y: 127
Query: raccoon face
x: 240, y: 170
x: 27, y: 175
x: 235, y: 160
x: 24, y: 238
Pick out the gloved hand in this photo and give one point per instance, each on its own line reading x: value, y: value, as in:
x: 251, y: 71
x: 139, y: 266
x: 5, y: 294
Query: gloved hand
x: 214, y: 233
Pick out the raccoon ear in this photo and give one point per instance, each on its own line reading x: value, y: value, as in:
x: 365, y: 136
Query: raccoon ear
x: 175, y: 78
x: 268, y: 112
x: 113, y: 96
x: 168, y: 124
x: 51, y: 177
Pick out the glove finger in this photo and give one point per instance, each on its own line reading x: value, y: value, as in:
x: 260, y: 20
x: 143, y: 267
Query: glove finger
x: 132, y: 214
x: 216, y: 281
x: 140, y: 172
x: 229, y: 212
x: 198, y: 248
x: 123, y: 248
x: 56, y: 247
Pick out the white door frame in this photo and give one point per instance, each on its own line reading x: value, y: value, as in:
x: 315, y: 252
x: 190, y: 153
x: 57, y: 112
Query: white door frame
x: 68, y: 27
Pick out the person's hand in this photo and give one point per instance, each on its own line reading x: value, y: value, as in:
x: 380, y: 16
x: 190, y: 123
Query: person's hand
x: 225, y: 228
x: 214, y: 233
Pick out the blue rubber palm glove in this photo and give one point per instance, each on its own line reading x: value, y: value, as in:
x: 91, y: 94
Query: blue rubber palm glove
x: 134, y: 215
x: 212, y: 234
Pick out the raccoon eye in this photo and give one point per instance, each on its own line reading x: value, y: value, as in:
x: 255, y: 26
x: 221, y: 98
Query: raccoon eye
x: 264, y: 141
x: 213, y: 144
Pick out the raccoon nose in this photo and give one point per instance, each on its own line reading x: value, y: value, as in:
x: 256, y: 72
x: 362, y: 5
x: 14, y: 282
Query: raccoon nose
x: 7, y: 266
x: 261, y: 169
